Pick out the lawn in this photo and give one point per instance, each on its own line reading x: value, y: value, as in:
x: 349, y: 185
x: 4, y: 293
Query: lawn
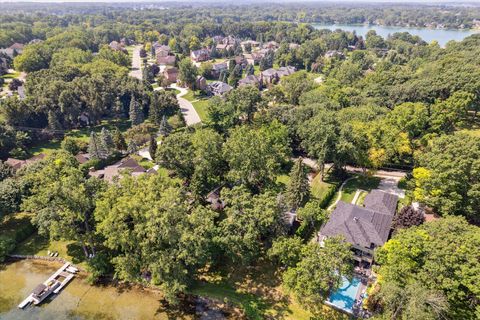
x: 320, y: 188
x: 201, y: 108
x: 40, y: 246
x: 283, y: 179
x: 359, y: 182
x: 176, y: 91
x: 82, y: 134
x: 199, y: 102
x: 256, y: 290
x: 16, y: 226
x: 14, y: 75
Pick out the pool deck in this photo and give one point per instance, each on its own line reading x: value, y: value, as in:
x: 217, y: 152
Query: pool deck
x: 352, y: 311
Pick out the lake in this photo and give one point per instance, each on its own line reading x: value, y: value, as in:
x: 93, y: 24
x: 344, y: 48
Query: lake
x: 442, y: 36
x: 78, y: 300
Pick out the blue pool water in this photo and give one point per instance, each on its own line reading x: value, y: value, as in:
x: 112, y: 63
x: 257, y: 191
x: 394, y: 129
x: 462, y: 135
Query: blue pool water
x: 344, y: 297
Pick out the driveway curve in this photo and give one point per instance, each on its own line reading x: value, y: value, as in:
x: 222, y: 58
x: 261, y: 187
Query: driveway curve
x: 188, y: 111
x: 136, y: 70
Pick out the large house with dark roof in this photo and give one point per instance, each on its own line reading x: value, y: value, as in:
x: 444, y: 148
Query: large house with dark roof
x: 365, y: 227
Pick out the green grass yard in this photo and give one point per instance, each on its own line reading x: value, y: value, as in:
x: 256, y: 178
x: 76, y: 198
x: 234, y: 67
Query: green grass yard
x: 320, y: 188
x: 81, y: 135
x: 13, y: 75
x: 199, y: 102
x: 201, y: 108
x: 359, y: 182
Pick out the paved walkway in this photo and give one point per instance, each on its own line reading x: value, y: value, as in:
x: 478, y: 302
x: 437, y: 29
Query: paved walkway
x: 136, y: 70
x: 339, y: 194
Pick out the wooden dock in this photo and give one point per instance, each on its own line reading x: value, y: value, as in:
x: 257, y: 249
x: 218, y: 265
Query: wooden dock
x: 52, y: 285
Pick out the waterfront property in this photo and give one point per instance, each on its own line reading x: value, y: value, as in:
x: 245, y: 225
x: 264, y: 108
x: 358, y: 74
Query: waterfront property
x: 53, y: 284
x: 364, y: 227
x: 346, y: 297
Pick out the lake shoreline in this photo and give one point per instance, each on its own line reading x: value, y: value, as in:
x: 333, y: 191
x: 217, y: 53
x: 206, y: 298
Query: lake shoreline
x: 442, y: 36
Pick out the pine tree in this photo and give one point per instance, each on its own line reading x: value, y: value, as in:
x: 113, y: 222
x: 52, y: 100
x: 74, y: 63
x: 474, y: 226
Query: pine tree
x: 152, y: 52
x: 132, y: 147
x: 152, y: 148
x: 119, y: 140
x: 235, y: 75
x: 165, y: 128
x: 106, y: 143
x: 93, y: 148
x: 136, y: 112
x: 298, y: 189
x: 214, y: 52
x: 118, y: 108
x: 53, y: 123
x: 154, y: 113
x: 237, y: 48
x: 249, y: 70
x: 231, y: 65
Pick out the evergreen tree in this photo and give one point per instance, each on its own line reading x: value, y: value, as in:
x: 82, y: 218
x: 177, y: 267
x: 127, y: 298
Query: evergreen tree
x: 154, y: 112
x: 93, y: 147
x: 53, y: 123
x: 132, y: 147
x: 152, y: 51
x: 237, y: 48
x: 214, y: 52
x: 106, y: 143
x: 235, y: 75
x: 136, y: 112
x: 165, y: 128
x: 223, y: 76
x: 249, y: 70
x: 267, y: 61
x: 298, y: 189
x: 148, y: 75
x: 119, y: 140
x: 118, y: 108
x: 152, y: 148
x: 231, y: 65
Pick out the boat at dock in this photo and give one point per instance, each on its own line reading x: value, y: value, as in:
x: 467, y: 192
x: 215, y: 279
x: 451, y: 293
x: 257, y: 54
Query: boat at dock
x: 53, y: 284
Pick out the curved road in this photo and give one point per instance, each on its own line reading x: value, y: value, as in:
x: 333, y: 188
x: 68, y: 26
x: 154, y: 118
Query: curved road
x: 136, y: 70
x: 189, y: 112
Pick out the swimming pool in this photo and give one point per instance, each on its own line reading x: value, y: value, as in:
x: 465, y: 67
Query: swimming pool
x: 344, y: 297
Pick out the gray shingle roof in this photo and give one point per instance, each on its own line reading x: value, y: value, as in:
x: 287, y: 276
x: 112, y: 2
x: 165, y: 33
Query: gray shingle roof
x: 381, y: 201
x: 363, y: 226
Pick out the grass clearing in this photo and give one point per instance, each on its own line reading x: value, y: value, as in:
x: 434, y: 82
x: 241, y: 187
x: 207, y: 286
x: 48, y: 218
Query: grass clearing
x: 40, y: 246
x: 81, y: 135
x: 361, y: 198
x: 256, y: 290
x: 201, y: 108
x: 320, y: 188
x: 366, y: 183
x: 13, y: 75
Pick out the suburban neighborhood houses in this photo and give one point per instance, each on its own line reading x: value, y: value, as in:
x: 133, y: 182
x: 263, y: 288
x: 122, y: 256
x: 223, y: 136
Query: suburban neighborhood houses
x: 196, y: 160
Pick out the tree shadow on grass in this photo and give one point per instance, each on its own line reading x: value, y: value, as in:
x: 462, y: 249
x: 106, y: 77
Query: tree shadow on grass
x: 32, y: 245
x: 184, y: 309
x: 253, y: 289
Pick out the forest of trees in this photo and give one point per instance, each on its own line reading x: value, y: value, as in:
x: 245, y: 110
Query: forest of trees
x: 397, y: 102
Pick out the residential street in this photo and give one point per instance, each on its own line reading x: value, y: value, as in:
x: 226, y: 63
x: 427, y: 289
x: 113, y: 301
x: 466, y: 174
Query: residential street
x: 136, y: 70
x: 392, y: 174
x: 188, y: 111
